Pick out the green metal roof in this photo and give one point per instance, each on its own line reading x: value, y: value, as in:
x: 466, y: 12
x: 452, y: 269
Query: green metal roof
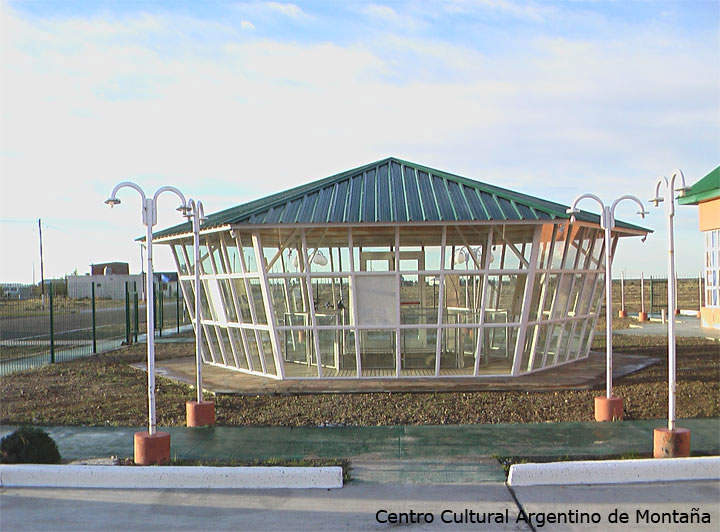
x: 706, y: 189
x: 392, y: 190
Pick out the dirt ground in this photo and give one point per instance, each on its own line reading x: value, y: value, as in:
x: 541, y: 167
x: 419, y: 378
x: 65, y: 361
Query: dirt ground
x: 105, y: 390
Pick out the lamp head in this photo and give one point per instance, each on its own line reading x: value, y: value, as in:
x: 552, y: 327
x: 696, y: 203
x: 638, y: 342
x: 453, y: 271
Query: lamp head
x: 656, y: 200
x: 642, y: 213
x: 572, y: 212
x: 184, y: 210
x: 112, y: 202
x: 682, y: 191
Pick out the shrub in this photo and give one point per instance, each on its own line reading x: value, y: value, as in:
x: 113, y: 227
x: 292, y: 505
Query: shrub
x: 29, y: 445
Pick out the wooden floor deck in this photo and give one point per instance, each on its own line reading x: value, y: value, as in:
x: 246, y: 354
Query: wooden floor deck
x: 582, y: 374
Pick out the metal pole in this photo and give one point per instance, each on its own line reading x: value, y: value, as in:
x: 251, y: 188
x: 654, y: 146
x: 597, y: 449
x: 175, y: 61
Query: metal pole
x: 608, y: 302
x: 127, y: 313
x: 152, y: 427
x: 177, y: 305
x: 94, y: 333
x: 671, y: 311
x: 622, y: 290
x: 198, y: 320
x: 642, y: 292
x: 42, y: 273
x: 52, y: 325
x: 700, y: 292
x: 137, y: 317
x: 160, y: 308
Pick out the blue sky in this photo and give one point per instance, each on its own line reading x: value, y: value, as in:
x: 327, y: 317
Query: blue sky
x: 231, y: 101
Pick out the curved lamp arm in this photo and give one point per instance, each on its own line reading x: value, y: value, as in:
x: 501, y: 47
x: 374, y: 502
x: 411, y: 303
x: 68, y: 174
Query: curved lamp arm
x: 574, y: 210
x: 113, y: 200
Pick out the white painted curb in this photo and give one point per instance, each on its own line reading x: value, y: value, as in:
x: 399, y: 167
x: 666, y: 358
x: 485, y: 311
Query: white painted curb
x: 168, y: 477
x: 615, y: 471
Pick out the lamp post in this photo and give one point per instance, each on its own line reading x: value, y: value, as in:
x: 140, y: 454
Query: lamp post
x: 200, y: 412
x: 673, y: 441
x: 607, y: 408
x: 150, y: 447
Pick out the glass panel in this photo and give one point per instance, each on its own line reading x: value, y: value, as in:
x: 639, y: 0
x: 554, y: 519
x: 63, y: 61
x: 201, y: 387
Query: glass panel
x: 254, y: 354
x: 191, y: 257
x: 505, y: 294
x: 498, y: 344
x: 268, y: 352
x: 205, y: 265
x: 236, y: 338
x: 233, y: 256
x: 207, y: 354
x: 377, y: 352
x: 187, y: 287
x: 417, y: 347
x: 458, y: 351
x: 180, y: 256
x: 423, y: 244
x: 539, y: 336
x: 258, y: 301
x: 559, y: 248
x: 248, y: 253
x: 463, y: 295
x: 230, y: 311
x: 526, y: 363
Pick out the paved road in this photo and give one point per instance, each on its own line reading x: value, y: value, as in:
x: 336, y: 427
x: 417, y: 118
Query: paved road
x: 359, y: 506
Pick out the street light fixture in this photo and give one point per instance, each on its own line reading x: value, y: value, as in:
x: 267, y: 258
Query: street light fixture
x: 673, y: 441
x: 150, y: 447
x: 607, y: 408
x: 199, y: 412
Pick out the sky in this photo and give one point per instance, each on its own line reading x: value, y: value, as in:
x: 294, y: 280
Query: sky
x: 232, y: 101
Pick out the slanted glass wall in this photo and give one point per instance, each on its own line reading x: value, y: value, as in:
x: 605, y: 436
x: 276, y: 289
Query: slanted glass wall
x: 396, y: 301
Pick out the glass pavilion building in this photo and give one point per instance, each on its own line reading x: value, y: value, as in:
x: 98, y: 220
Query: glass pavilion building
x: 395, y: 270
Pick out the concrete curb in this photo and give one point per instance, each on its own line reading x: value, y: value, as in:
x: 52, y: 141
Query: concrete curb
x: 615, y: 471
x: 168, y: 477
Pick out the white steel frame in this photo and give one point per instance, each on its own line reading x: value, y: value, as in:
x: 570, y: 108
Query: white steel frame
x: 537, y: 271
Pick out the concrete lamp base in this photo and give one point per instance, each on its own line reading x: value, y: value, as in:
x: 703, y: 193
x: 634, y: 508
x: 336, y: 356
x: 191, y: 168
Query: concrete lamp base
x: 151, y: 449
x: 200, y: 414
x: 622, y: 313
x: 608, y: 409
x: 671, y: 443
x: 642, y: 316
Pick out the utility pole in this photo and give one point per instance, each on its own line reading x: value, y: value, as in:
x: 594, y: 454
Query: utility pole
x: 42, y: 274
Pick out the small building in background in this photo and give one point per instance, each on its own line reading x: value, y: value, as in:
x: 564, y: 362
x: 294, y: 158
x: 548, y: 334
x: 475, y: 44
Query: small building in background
x: 110, y: 280
x: 110, y: 268
x: 706, y: 195
x: 16, y: 290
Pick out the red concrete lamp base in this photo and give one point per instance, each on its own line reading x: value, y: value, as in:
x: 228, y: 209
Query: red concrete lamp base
x: 643, y: 316
x: 622, y: 313
x: 151, y: 449
x: 671, y: 443
x: 608, y: 408
x: 200, y: 414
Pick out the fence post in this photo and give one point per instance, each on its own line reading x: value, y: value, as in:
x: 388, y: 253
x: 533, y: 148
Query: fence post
x: 127, y: 313
x: 652, y: 294
x: 137, y: 320
x: 177, y: 305
x: 161, y: 306
x: 52, y: 325
x: 94, y: 333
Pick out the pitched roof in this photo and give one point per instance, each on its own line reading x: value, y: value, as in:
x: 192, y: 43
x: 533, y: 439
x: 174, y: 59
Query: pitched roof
x: 391, y: 190
x: 706, y: 189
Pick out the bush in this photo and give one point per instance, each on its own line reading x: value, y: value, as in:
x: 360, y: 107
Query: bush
x: 29, y: 445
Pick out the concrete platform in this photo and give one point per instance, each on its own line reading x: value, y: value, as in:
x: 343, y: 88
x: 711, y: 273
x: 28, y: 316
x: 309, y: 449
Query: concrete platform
x: 582, y: 374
